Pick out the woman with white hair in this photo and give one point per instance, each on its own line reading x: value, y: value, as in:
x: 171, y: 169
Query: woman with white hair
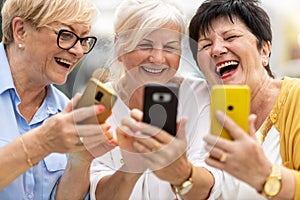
x: 148, y: 38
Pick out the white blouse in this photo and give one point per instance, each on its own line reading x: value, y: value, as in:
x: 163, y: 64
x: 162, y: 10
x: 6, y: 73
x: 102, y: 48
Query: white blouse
x: 193, y: 104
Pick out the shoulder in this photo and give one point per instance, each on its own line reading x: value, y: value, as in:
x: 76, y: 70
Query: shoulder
x: 195, y: 84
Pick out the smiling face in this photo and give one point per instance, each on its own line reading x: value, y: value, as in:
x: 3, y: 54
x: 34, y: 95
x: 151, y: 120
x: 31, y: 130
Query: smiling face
x: 228, y: 53
x: 156, y: 57
x: 44, y: 59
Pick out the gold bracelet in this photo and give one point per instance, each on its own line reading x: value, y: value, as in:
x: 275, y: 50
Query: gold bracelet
x: 30, y: 163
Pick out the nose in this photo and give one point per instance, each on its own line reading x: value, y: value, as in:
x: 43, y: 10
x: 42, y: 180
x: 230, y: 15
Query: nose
x: 77, y: 49
x: 218, y: 48
x: 157, y: 56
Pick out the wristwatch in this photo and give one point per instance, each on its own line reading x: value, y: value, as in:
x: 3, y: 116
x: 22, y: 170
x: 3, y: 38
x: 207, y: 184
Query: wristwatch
x: 186, y: 186
x: 272, y: 184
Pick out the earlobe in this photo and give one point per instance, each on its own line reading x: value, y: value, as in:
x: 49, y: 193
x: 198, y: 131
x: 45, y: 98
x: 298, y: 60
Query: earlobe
x: 265, y: 52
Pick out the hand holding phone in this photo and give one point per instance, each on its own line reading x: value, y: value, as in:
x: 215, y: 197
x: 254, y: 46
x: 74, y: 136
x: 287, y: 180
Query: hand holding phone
x: 160, y: 106
x: 96, y: 93
x: 234, y: 101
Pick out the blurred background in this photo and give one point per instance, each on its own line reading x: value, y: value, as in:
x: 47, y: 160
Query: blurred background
x: 285, y: 58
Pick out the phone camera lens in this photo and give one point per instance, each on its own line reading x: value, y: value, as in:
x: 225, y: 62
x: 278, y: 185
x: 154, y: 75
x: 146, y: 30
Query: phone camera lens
x: 161, y: 97
x: 99, y: 96
x: 230, y: 108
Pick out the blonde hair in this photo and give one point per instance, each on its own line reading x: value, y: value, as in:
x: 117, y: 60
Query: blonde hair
x: 41, y: 13
x: 134, y: 19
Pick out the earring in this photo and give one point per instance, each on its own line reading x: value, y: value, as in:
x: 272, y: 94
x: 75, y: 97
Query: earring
x: 20, y: 45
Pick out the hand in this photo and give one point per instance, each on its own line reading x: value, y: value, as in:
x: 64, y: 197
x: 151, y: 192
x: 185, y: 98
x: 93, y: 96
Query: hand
x: 161, y: 152
x: 62, y: 132
x: 243, y: 157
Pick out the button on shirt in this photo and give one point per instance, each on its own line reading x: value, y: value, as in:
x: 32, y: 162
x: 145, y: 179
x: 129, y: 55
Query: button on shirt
x: 39, y: 182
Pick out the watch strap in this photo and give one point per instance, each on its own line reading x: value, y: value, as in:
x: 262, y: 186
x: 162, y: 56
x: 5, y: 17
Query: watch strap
x: 188, y: 183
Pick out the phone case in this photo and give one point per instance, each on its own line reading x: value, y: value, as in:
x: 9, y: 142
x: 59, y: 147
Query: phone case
x: 160, y: 106
x: 234, y: 100
x: 96, y: 93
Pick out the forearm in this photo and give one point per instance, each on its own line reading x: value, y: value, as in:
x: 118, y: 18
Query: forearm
x: 288, y: 182
x: 19, y: 156
x: 203, y: 182
x: 117, y: 186
x: 75, y: 182
x: 288, y: 185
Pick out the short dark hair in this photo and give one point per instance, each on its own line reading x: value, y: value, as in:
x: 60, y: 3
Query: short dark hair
x: 248, y: 11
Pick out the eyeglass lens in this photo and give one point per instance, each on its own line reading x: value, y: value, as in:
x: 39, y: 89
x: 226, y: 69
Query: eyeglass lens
x: 67, y: 39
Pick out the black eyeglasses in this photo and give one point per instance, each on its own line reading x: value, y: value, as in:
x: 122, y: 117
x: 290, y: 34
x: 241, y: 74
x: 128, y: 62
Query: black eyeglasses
x: 67, y: 39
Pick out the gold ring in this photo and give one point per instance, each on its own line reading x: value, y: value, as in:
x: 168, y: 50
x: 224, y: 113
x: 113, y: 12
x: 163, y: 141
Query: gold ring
x: 223, y: 157
x: 155, y: 147
x: 80, y: 141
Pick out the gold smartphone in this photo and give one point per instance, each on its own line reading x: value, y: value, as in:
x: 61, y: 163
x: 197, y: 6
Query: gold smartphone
x: 234, y: 101
x: 96, y: 93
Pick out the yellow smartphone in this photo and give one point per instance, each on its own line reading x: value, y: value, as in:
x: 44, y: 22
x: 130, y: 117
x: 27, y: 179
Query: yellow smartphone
x: 234, y: 101
x: 97, y: 93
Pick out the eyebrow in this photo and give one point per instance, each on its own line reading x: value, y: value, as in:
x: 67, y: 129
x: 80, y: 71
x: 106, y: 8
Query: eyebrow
x: 72, y: 29
x: 223, y: 33
x: 170, y: 42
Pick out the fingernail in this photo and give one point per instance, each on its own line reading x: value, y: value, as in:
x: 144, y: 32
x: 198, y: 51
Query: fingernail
x: 108, y: 135
x: 112, y: 141
x: 101, y: 108
x: 108, y: 127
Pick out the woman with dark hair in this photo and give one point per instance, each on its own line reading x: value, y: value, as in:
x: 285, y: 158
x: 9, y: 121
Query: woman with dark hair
x: 231, y: 42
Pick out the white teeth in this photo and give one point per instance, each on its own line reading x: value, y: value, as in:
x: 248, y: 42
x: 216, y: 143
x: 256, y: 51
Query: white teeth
x: 153, y: 71
x: 64, y: 61
x: 226, y: 64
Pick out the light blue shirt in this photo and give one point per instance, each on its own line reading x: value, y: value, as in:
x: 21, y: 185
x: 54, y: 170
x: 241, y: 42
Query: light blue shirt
x: 39, y: 182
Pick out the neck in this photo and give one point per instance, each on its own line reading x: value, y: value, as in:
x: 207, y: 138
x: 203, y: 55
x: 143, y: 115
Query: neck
x: 31, y: 91
x: 263, y: 99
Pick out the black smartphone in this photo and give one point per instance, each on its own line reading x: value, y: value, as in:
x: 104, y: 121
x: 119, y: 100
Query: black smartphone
x: 96, y: 93
x: 160, y: 106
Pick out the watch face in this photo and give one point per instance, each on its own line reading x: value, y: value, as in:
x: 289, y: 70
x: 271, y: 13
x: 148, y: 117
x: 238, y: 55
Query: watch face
x: 272, y: 186
x: 187, y: 186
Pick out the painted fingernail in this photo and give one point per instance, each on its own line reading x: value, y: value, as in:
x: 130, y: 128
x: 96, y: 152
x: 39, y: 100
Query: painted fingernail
x: 107, y: 127
x: 112, y: 141
x: 101, y: 108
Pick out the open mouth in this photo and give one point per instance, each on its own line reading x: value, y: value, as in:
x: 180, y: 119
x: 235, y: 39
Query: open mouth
x: 63, y: 62
x: 226, y: 68
x: 153, y: 71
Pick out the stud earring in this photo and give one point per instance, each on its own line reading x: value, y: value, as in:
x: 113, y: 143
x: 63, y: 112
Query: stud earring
x: 20, y: 46
x: 265, y: 63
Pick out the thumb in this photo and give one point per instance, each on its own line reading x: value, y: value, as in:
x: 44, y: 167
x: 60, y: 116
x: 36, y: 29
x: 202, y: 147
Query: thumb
x: 252, y: 130
x: 71, y: 105
x: 181, y: 129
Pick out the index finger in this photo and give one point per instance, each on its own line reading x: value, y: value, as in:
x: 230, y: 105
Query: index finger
x: 83, y: 113
x: 234, y: 130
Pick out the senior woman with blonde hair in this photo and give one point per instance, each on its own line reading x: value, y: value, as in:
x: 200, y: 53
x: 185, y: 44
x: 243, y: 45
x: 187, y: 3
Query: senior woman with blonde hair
x: 43, y: 40
x: 149, y: 34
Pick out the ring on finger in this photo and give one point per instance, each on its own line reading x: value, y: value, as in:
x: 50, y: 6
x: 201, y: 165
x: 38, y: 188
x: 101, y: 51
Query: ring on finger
x: 81, y: 139
x: 155, y: 147
x: 223, y: 157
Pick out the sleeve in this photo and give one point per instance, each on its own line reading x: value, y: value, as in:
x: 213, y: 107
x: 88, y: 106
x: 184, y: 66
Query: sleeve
x: 297, y: 178
x: 194, y: 106
x: 101, y: 167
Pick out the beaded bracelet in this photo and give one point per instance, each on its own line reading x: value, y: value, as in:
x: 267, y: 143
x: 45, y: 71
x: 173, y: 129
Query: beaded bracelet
x: 30, y: 163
